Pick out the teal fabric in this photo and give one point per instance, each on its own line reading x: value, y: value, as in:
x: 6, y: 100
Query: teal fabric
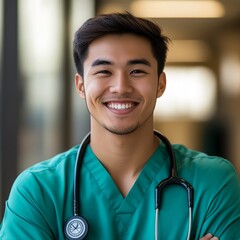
x: 41, y: 199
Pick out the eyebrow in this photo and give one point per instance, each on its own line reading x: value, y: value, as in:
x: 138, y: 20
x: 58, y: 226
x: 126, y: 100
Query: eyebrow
x: 143, y: 61
x: 101, y: 62
x: 139, y: 61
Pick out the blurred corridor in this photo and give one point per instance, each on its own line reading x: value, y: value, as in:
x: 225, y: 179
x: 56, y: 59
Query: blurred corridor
x: 41, y: 114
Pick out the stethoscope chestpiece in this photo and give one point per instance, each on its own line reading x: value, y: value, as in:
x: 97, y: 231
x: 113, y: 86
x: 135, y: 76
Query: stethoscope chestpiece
x: 76, y: 227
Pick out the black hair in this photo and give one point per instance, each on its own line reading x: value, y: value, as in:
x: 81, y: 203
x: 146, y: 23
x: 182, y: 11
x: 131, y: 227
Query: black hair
x: 118, y: 23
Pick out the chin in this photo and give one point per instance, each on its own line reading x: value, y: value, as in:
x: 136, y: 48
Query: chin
x: 122, y: 131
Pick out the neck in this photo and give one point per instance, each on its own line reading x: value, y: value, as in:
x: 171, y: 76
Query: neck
x: 124, y: 155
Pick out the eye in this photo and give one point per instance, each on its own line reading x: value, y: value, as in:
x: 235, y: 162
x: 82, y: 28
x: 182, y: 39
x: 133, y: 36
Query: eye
x: 137, y: 72
x: 103, y: 73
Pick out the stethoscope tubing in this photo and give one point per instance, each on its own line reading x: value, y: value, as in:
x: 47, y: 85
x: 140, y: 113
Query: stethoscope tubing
x: 171, y: 179
x: 76, y: 187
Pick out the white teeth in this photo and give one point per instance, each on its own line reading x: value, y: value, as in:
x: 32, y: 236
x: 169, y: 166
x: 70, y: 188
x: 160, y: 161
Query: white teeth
x: 120, y: 106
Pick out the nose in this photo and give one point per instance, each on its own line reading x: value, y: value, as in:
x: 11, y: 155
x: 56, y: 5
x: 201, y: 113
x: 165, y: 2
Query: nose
x: 121, y: 84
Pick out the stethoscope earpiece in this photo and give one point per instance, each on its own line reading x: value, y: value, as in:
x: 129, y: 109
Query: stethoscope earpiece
x: 76, y: 227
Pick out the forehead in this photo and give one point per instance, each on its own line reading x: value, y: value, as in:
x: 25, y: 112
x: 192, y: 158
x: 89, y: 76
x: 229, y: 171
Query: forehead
x: 119, y: 46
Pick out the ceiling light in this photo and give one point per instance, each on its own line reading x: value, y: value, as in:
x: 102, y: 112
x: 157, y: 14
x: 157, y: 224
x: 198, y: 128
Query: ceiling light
x: 178, y: 9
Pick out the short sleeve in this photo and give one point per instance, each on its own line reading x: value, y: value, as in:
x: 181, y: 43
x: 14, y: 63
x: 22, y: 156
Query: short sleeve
x: 22, y: 218
x: 223, y: 215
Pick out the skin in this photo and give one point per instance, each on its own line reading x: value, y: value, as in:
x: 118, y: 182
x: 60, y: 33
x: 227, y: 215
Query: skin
x: 120, y: 86
x: 209, y: 237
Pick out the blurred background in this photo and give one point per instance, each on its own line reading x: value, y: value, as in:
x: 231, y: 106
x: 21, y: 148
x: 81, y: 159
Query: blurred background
x: 41, y: 114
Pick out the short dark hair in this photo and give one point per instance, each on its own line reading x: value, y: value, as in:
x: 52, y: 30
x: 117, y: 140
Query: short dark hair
x: 118, y: 23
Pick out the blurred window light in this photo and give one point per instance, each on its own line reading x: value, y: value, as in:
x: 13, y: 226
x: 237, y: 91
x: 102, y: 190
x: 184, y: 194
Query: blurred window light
x: 178, y: 9
x: 41, y: 34
x: 40, y: 63
x: 230, y: 74
x: 188, y: 51
x: 190, y: 94
x: 78, y: 19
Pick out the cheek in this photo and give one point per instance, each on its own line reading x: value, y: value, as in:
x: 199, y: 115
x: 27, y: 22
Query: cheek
x: 148, y: 90
x: 93, y: 90
x: 149, y: 93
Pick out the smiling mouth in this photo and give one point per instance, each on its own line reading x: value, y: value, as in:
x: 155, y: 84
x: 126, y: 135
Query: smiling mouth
x: 121, y: 106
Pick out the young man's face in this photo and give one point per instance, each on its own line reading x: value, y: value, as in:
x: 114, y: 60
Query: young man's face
x: 121, y: 83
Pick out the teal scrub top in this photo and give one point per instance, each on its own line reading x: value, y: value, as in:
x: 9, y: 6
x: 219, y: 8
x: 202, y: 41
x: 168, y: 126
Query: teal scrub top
x: 41, y: 199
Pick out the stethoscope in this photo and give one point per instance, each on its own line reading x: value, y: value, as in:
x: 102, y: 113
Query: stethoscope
x: 76, y: 227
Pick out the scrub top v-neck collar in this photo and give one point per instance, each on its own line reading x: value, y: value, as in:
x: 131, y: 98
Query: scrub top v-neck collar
x: 108, y: 188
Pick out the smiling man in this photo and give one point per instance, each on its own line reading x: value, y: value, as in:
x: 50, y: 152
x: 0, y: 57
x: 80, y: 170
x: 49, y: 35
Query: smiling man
x: 120, y: 61
x: 121, y: 86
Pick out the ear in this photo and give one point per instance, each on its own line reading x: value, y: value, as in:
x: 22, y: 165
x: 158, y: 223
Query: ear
x: 79, y: 85
x: 161, y: 84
